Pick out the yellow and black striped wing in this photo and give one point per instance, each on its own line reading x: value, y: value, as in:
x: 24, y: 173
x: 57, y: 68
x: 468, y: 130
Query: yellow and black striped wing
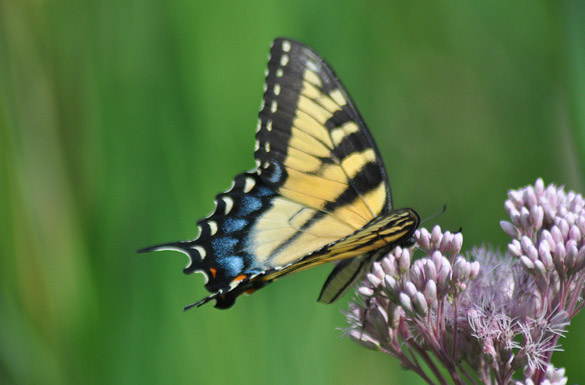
x: 313, y: 148
x: 319, y: 191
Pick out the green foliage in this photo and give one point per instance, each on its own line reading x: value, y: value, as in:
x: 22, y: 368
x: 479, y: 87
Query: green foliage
x: 120, y: 121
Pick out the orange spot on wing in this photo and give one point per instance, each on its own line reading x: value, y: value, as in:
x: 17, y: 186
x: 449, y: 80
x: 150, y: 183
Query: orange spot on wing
x: 250, y: 291
x: 240, y: 278
x: 213, y: 272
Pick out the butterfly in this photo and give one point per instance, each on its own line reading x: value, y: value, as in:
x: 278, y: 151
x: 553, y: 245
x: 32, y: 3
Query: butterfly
x: 319, y: 192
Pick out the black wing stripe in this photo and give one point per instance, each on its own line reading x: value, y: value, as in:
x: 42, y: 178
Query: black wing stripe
x: 330, y: 210
x: 345, y: 274
x: 298, y: 233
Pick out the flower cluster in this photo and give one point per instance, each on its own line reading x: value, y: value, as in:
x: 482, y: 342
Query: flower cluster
x: 485, y: 317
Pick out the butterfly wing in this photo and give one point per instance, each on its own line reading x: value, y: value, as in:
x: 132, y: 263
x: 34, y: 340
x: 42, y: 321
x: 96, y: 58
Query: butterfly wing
x: 343, y: 276
x: 319, y: 191
x: 312, y: 145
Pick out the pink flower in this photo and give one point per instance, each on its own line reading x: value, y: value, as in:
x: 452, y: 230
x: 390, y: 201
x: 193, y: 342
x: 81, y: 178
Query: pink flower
x: 500, y: 316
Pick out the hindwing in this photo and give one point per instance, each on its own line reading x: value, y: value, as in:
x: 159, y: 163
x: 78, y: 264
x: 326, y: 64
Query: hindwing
x: 319, y: 192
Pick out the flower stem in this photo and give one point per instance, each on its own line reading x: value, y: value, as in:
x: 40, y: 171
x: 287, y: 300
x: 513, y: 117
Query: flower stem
x: 430, y: 363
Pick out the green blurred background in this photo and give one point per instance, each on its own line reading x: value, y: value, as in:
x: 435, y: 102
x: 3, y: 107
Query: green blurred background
x: 121, y: 119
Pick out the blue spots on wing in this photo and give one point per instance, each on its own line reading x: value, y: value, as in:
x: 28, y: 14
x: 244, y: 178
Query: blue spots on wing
x: 253, y: 271
x: 228, y: 245
x: 249, y: 205
x: 232, y: 265
x: 276, y: 173
x: 232, y: 225
x: 223, y: 247
x: 264, y: 191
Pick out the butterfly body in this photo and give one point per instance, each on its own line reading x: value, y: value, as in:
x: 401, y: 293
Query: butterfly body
x: 319, y: 192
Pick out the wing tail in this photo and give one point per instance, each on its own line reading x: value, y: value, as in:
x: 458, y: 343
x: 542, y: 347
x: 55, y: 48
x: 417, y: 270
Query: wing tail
x: 192, y: 250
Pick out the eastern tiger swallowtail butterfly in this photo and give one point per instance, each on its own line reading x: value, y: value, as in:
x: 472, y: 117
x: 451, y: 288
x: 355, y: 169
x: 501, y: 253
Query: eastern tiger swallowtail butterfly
x: 319, y: 192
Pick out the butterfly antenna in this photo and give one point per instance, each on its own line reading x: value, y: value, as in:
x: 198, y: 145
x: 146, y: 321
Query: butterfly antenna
x: 438, y: 214
x: 435, y: 215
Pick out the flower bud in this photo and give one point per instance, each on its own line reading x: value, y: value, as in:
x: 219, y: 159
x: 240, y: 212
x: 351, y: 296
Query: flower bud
x: 437, y: 259
x: 404, y: 301
x: 394, y: 315
x: 539, y: 187
x: 475, y: 266
x: 431, y: 292
x: 446, y: 241
x: 430, y: 269
x: 410, y: 289
x: 572, y: 253
x: 529, y: 197
x: 374, y: 281
x: 510, y: 229
x: 540, y: 268
x: 559, y: 257
x: 420, y: 304
x: 547, y: 237
x: 444, y: 277
x: 456, y: 244
x: 423, y: 238
x: 512, y: 213
x: 404, y: 261
x: 515, y: 249
x: 575, y: 233
x: 532, y: 253
x: 564, y: 227
x: 365, y: 291
x: 580, y: 262
x: 515, y: 198
x: 460, y: 288
x: 537, y: 214
x: 378, y: 318
x: 556, y: 235
x: 549, y: 212
x: 527, y: 263
x: 389, y: 265
x: 461, y: 270
x: 577, y: 203
x: 571, y: 219
x: 397, y: 252
x: 524, y: 218
x: 417, y: 275
x: 436, y: 234
x: 545, y: 256
x: 391, y: 287
x: 363, y: 339
x: 378, y: 271
x: 581, y: 223
x: 528, y: 248
x: 555, y: 376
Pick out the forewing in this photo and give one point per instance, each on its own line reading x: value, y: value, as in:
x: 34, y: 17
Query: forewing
x: 313, y: 148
